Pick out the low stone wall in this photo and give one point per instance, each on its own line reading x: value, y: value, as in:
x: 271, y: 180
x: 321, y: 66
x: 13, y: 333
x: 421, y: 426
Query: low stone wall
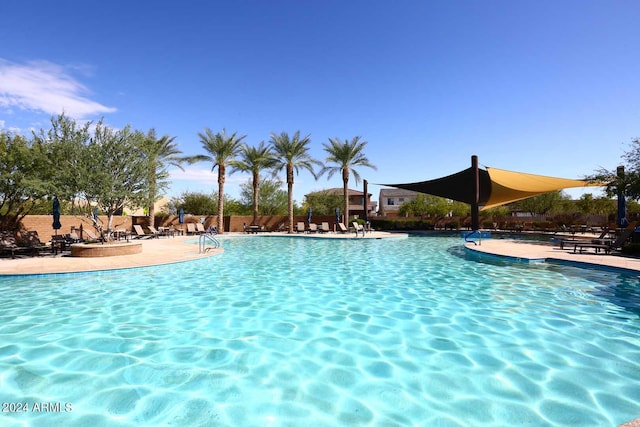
x: 43, y: 223
x: 104, y: 250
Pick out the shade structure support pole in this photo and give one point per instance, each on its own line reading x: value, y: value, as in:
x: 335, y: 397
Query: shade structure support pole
x: 365, y: 205
x: 621, y: 219
x: 475, y: 209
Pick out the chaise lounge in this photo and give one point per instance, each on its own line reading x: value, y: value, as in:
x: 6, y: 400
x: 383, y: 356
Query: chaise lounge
x: 579, y: 247
x: 140, y: 234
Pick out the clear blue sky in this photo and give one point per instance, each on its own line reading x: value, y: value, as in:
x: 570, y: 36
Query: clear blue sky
x: 544, y: 87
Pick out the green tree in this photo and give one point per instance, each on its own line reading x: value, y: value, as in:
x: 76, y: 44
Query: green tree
x: 322, y: 202
x: 272, y: 198
x: 426, y: 204
x: 542, y: 204
x: 65, y: 143
x: 195, y: 203
x: 292, y: 154
x: 21, y: 181
x: 221, y: 149
x: 346, y: 155
x: 117, y: 175
x: 586, y: 203
x: 460, y: 209
x: 627, y: 184
x: 159, y: 153
x: 604, y: 206
x: 254, y: 160
x: 414, y: 207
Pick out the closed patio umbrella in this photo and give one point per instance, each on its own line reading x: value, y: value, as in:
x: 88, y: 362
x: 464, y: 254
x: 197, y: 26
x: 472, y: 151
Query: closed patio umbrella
x: 181, y: 216
x: 337, y: 215
x: 56, y: 215
x: 622, y: 211
x: 309, y: 214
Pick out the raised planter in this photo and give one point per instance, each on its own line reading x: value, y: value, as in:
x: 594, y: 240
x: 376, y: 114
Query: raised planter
x: 103, y: 250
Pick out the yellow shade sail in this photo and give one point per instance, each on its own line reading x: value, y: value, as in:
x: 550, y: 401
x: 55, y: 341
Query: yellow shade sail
x: 508, y: 186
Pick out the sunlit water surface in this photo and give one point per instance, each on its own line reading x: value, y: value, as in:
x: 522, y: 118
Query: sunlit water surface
x: 281, y: 331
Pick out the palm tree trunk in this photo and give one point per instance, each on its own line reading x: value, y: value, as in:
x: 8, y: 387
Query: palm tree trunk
x: 345, y: 181
x: 152, y: 191
x: 256, y: 188
x: 290, y: 195
x: 221, y: 179
x: 152, y: 205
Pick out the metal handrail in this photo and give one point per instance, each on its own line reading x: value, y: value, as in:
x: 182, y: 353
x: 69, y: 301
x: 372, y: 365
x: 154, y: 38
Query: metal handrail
x: 202, y: 242
x: 467, y: 236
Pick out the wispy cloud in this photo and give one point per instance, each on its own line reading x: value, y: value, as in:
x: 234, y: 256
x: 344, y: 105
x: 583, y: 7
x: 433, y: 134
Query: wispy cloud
x: 45, y: 87
x: 205, y: 176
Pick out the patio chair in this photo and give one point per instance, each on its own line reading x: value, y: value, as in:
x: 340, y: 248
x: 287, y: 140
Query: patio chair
x: 140, y: 234
x: 324, y: 227
x: 358, y: 228
x: 313, y: 228
x: 300, y: 228
x: 599, y: 240
x: 605, y: 247
x: 191, y: 228
x: 155, y: 232
x: 8, y: 244
x: 91, y: 235
x: 200, y: 228
x: 342, y: 228
x: 32, y: 241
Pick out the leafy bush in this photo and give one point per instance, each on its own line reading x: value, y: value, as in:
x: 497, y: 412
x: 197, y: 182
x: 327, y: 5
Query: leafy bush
x: 631, y: 249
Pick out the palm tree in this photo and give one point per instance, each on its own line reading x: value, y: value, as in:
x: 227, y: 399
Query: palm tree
x: 346, y: 155
x: 160, y: 152
x: 292, y: 154
x: 254, y: 159
x: 221, y: 149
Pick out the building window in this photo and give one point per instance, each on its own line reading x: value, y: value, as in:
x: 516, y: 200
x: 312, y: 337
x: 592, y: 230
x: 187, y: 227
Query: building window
x: 390, y: 202
x: 400, y: 200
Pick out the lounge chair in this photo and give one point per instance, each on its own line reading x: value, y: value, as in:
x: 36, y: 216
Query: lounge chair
x: 324, y: 227
x: 200, y: 228
x: 32, y: 241
x: 8, y: 244
x: 155, y: 232
x: 599, y: 240
x: 91, y: 235
x: 191, y: 228
x: 358, y: 228
x: 300, y: 228
x: 313, y: 228
x: 605, y: 247
x: 140, y: 234
x: 253, y: 229
x: 342, y: 228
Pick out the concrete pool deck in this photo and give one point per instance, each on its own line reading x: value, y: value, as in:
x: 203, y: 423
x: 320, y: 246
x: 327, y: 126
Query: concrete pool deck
x: 526, y: 250
x: 171, y: 250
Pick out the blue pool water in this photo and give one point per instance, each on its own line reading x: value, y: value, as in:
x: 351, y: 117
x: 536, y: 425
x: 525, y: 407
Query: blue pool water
x: 281, y: 331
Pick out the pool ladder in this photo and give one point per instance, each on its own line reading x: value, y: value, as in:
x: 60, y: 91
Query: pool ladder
x: 207, y: 238
x: 468, y: 236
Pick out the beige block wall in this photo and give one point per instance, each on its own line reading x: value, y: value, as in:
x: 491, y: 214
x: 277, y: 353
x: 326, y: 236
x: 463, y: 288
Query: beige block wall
x: 43, y: 223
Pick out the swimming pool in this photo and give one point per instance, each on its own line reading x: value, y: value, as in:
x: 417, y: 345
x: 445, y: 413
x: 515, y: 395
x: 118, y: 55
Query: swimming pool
x: 281, y: 331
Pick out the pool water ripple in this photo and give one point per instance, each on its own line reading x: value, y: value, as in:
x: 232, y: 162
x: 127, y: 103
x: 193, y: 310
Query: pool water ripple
x: 282, y: 331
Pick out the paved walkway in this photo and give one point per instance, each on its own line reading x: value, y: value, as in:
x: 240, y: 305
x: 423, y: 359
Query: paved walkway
x: 529, y: 250
x: 154, y: 252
